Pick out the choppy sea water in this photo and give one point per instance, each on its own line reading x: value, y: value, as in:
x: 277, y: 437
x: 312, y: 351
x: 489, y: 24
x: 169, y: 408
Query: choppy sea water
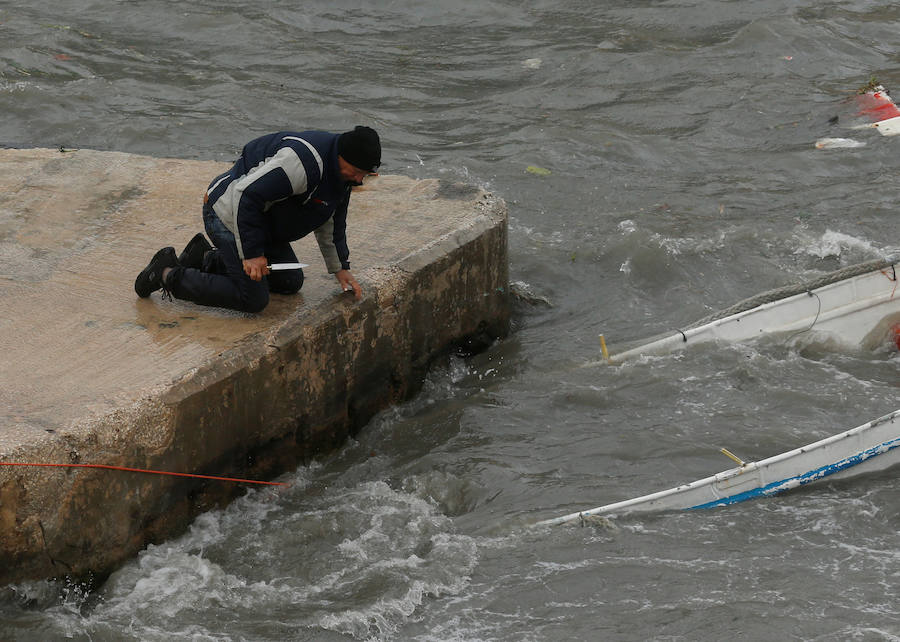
x: 673, y: 172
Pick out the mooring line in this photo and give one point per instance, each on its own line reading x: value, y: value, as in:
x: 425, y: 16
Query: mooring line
x: 144, y: 470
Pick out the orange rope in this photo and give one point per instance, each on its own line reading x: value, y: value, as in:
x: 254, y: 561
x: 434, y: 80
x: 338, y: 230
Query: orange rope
x: 142, y: 470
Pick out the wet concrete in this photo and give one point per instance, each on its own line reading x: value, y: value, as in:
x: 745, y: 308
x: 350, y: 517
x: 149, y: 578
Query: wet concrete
x: 90, y: 373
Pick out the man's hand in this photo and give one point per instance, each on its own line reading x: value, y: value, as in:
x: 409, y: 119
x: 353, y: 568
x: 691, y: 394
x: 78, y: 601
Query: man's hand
x: 256, y: 268
x: 348, y: 283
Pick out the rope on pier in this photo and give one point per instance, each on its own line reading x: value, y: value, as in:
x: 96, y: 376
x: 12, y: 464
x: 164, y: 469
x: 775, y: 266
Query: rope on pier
x: 144, y: 470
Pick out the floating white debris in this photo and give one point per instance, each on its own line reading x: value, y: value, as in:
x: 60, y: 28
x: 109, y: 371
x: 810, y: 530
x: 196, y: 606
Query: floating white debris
x: 532, y: 63
x: 838, y: 143
x: 888, y: 127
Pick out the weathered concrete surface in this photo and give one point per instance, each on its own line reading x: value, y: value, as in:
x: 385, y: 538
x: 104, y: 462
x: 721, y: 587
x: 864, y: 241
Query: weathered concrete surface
x: 90, y: 373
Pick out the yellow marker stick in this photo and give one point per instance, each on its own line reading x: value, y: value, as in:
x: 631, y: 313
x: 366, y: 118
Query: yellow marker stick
x: 603, y: 348
x: 733, y: 457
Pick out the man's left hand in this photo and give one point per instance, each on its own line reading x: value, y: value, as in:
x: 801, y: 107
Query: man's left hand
x: 348, y: 283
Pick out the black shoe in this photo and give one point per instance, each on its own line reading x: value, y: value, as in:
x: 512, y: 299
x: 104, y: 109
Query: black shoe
x: 192, y: 254
x: 151, y: 278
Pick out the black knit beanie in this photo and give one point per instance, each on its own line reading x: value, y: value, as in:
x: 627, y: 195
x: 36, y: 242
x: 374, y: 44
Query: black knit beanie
x: 361, y: 148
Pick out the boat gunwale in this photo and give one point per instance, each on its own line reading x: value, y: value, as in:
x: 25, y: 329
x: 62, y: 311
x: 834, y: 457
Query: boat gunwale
x: 785, y: 483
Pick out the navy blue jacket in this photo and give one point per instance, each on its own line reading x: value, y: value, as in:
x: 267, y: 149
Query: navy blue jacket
x: 284, y: 186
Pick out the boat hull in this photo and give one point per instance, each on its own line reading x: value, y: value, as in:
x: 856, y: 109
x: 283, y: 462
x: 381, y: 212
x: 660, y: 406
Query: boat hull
x: 868, y: 448
x: 857, y: 312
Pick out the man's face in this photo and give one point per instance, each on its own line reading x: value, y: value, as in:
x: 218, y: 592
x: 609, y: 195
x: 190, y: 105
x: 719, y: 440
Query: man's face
x: 350, y: 173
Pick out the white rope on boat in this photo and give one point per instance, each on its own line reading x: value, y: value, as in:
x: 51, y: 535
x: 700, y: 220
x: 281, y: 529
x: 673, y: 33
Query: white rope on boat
x: 797, y: 288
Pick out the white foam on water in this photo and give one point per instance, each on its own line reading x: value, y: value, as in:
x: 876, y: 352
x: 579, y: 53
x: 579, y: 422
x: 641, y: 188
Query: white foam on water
x: 355, y: 561
x: 400, y: 543
x: 627, y: 226
x: 835, y: 244
x: 524, y: 291
x: 17, y: 86
x: 867, y: 633
x: 838, y: 143
x: 158, y: 595
x: 459, y: 369
x: 384, y: 617
x: 672, y: 245
x: 166, y: 583
x: 676, y: 246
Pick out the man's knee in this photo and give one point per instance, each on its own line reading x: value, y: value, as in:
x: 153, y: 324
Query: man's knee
x: 288, y: 282
x: 255, y: 301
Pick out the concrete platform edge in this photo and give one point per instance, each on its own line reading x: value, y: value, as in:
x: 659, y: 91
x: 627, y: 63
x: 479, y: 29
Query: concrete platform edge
x: 278, y: 399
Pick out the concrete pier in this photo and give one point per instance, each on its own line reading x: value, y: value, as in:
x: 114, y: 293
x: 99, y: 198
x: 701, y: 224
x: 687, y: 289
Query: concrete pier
x: 91, y: 374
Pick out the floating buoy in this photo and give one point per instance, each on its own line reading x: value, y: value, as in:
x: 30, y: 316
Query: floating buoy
x: 876, y: 105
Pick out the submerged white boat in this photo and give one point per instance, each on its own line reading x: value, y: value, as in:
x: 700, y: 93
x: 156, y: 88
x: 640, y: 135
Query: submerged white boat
x: 857, y: 307
x: 868, y: 448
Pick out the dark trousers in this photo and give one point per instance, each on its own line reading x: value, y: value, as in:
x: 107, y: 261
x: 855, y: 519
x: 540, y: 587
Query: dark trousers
x: 222, y: 282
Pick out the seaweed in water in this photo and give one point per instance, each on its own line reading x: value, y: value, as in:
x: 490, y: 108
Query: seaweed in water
x: 872, y: 85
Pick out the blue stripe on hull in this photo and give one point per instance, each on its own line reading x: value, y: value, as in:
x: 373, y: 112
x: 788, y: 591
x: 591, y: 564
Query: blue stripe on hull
x: 800, y: 480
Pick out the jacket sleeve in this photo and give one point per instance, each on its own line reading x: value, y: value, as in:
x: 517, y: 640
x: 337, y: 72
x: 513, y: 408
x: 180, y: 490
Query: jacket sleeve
x: 332, y: 239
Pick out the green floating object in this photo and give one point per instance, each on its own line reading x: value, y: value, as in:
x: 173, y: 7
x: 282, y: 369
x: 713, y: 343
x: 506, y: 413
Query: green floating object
x: 540, y: 171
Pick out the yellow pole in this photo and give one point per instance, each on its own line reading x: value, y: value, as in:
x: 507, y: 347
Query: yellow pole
x: 733, y: 457
x: 603, y: 348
